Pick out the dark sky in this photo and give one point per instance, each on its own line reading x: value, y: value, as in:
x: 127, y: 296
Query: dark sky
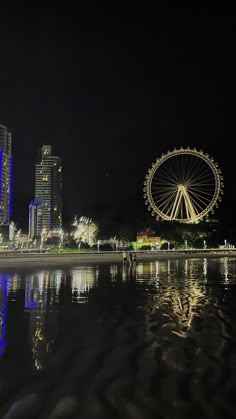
x: 111, y: 94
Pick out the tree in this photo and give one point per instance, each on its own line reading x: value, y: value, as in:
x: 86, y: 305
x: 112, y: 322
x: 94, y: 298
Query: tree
x: 85, y: 232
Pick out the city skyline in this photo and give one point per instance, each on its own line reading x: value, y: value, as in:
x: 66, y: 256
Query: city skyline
x: 112, y: 94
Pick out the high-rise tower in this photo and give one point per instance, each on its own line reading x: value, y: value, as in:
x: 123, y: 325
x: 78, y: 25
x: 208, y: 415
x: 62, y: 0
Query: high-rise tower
x: 6, y: 168
x: 48, y: 192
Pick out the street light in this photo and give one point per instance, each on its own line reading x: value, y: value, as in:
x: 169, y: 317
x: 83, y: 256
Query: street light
x: 186, y: 244
x: 61, y: 235
x: 42, y: 237
x: 204, y: 244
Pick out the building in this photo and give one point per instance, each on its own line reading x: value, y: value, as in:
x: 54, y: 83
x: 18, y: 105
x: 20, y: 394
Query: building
x: 35, y: 218
x: 6, y: 168
x: 46, y: 210
x: 148, y: 238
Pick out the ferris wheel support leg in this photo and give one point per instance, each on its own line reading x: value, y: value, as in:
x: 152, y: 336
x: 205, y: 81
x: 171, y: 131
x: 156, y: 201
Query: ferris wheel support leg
x: 177, y: 203
x: 189, y: 205
x: 174, y: 205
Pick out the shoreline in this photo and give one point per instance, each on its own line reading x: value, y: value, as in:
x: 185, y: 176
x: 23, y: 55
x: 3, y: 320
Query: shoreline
x: 63, y: 259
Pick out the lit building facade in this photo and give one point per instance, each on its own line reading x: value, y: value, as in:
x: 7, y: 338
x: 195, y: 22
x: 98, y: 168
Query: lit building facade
x: 47, y: 207
x: 35, y: 218
x: 6, y: 170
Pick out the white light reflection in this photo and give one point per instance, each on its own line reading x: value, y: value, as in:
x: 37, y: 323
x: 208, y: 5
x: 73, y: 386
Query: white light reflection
x: 14, y: 285
x: 186, y: 267
x: 168, y: 267
x: 82, y: 280
x: 140, y: 269
x: 57, y: 277
x: 205, y: 267
x: 113, y: 272
x: 36, y: 301
x: 124, y: 272
x: 226, y: 270
x: 157, y: 279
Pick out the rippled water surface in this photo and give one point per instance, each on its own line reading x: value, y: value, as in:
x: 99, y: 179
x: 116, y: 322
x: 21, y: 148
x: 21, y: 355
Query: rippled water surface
x: 114, y: 341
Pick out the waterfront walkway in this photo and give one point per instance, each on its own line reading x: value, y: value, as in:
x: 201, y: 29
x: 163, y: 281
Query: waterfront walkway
x: 9, y: 258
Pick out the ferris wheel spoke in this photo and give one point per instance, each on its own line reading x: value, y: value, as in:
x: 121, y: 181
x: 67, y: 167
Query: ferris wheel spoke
x: 167, y: 205
x: 167, y: 174
x: 207, y: 192
x: 201, y: 198
x: 163, y: 181
x: 203, y: 184
x: 162, y: 199
x: 200, y: 169
x: 202, y: 173
x: 174, y: 171
x: 178, y: 169
x: 191, y: 164
x: 200, y: 179
x: 163, y: 189
x: 163, y: 194
x: 200, y: 191
x: 170, y: 167
x: 197, y: 204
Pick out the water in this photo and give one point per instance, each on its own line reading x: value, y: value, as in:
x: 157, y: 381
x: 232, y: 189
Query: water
x: 112, y: 341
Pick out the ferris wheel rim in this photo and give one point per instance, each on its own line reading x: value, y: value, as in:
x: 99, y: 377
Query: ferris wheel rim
x: 174, y: 153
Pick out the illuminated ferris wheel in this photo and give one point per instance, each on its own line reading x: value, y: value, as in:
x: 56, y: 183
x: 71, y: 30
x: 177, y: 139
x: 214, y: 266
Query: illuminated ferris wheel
x: 183, y: 185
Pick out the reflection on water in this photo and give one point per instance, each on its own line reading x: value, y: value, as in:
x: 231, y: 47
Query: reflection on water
x: 3, y: 313
x: 180, y: 284
x: 82, y: 280
x: 180, y: 292
x: 191, y: 300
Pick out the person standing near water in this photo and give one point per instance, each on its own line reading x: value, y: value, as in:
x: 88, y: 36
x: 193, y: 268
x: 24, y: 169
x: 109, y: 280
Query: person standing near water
x: 124, y: 254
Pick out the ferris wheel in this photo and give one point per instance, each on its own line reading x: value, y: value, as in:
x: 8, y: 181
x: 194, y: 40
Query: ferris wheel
x: 183, y: 185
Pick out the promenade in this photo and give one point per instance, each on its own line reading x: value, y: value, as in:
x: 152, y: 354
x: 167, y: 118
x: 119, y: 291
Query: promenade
x: 10, y: 259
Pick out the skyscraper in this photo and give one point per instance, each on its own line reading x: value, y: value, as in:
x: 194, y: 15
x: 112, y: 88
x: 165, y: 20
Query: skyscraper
x: 6, y: 168
x: 47, y: 206
x: 35, y: 218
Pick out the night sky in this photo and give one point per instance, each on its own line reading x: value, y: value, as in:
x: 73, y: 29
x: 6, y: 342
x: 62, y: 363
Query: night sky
x: 111, y: 94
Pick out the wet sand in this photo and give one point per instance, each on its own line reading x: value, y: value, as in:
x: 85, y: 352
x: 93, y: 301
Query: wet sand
x: 99, y: 375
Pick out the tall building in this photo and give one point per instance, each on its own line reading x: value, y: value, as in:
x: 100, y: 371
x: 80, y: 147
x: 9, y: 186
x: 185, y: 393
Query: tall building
x: 35, y: 218
x: 6, y: 169
x: 46, y: 210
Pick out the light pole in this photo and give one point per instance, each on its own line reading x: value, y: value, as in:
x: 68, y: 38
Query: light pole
x: 204, y: 244
x: 186, y: 244
x: 168, y: 244
x: 225, y: 243
x: 61, y: 235
x: 43, y: 232
x: 89, y: 222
